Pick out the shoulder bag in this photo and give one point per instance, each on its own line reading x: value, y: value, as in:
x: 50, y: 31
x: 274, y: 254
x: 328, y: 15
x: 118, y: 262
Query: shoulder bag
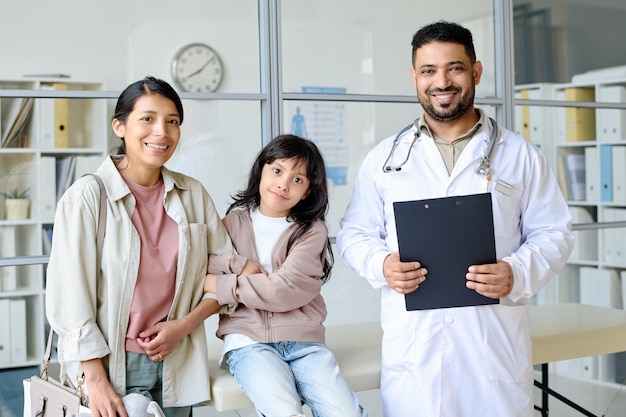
x: 44, y: 396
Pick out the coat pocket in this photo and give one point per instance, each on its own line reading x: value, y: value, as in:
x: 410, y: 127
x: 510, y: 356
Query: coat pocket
x: 508, y: 355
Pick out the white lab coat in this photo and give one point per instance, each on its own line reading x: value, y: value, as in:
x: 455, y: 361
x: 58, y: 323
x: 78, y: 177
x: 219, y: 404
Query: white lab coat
x: 471, y: 361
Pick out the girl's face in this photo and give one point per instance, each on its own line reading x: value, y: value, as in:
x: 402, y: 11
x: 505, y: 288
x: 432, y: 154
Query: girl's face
x: 151, y: 132
x: 283, y: 184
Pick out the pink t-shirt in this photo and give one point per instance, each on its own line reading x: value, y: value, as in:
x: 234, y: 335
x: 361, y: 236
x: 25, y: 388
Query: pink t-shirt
x: 156, y: 280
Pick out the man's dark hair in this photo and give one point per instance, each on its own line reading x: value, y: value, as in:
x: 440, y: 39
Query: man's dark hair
x: 443, y: 31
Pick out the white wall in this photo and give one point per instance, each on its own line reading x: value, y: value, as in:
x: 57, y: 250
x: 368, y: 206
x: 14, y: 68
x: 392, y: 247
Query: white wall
x: 94, y: 40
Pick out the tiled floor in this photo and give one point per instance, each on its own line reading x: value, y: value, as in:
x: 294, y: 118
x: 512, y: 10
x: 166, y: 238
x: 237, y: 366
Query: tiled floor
x: 594, y: 397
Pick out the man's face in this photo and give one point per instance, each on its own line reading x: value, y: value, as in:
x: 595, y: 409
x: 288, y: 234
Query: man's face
x: 445, y: 80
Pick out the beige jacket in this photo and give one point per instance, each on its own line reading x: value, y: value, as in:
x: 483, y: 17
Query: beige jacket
x: 90, y: 312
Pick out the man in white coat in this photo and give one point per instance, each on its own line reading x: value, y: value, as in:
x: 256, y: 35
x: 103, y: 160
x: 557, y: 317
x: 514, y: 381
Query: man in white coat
x: 462, y: 361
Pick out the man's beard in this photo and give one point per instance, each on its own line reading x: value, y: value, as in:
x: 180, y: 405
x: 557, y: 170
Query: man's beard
x: 449, y: 112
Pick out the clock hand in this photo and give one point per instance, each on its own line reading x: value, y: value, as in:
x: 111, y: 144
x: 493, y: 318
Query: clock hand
x: 201, y: 68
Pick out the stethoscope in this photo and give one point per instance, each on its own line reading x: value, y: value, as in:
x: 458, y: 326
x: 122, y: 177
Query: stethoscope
x: 483, y: 166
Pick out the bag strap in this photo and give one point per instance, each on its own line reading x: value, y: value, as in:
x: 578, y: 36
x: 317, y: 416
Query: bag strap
x: 102, y: 218
x: 102, y: 221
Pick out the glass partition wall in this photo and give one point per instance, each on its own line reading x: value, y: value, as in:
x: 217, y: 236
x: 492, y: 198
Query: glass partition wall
x: 350, y: 59
x: 337, y: 72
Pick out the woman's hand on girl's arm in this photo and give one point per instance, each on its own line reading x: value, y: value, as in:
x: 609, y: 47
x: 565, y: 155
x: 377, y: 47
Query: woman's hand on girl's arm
x: 160, y: 340
x: 252, y: 267
x: 103, y: 400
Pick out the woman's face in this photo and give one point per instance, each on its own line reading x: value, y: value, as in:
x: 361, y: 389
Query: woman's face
x: 151, y: 131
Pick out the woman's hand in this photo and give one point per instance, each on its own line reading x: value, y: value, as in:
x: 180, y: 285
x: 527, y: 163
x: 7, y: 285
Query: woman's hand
x: 160, y: 340
x: 252, y: 267
x: 103, y: 400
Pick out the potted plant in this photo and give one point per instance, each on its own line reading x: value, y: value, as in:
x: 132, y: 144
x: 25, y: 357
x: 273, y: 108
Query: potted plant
x: 16, y: 204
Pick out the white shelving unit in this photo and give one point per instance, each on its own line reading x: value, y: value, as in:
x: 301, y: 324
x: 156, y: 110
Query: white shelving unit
x: 587, y: 148
x: 59, y: 129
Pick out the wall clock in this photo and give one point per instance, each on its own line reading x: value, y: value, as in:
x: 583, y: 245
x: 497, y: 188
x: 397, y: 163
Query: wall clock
x: 197, y: 68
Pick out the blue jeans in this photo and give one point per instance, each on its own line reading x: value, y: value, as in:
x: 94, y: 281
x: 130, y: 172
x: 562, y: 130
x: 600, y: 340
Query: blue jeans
x: 278, y: 377
x: 146, y: 377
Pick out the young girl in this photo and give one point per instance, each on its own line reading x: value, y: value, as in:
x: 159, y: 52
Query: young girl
x: 274, y: 340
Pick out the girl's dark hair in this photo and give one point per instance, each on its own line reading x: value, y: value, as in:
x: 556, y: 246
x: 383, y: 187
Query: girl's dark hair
x: 130, y: 95
x: 443, y: 31
x: 313, y: 207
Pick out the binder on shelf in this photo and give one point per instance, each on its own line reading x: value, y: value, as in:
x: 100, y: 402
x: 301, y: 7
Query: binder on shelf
x: 575, y: 170
x: 46, y: 116
x: 614, y: 239
x: 600, y: 287
x: 585, y: 241
x: 561, y: 176
x: 589, y: 367
x: 525, y: 116
x: 623, y: 282
x: 5, y: 331
x: 64, y: 174
x: 606, y: 173
x: 611, y: 122
x: 8, y: 242
x: 86, y: 165
x: 559, y: 124
x: 618, y: 166
x: 580, y: 122
x: 46, y: 235
x: 592, y: 174
x: 538, y: 115
x: 17, y: 120
x: 61, y: 113
x: 48, y: 192
x: 18, y: 330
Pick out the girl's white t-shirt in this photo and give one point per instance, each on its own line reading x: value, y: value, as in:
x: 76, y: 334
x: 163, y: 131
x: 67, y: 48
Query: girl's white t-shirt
x: 266, y: 230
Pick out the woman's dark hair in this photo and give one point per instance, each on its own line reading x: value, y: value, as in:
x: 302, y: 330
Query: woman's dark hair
x: 443, y: 31
x: 313, y: 207
x: 130, y: 95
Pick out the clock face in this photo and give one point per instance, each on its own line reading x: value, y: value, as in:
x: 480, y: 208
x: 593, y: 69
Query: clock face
x: 197, y: 68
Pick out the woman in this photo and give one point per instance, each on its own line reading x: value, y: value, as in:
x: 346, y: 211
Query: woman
x: 134, y: 326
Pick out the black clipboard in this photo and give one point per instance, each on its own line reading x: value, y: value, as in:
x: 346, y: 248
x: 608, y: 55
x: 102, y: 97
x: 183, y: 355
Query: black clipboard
x: 446, y: 235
